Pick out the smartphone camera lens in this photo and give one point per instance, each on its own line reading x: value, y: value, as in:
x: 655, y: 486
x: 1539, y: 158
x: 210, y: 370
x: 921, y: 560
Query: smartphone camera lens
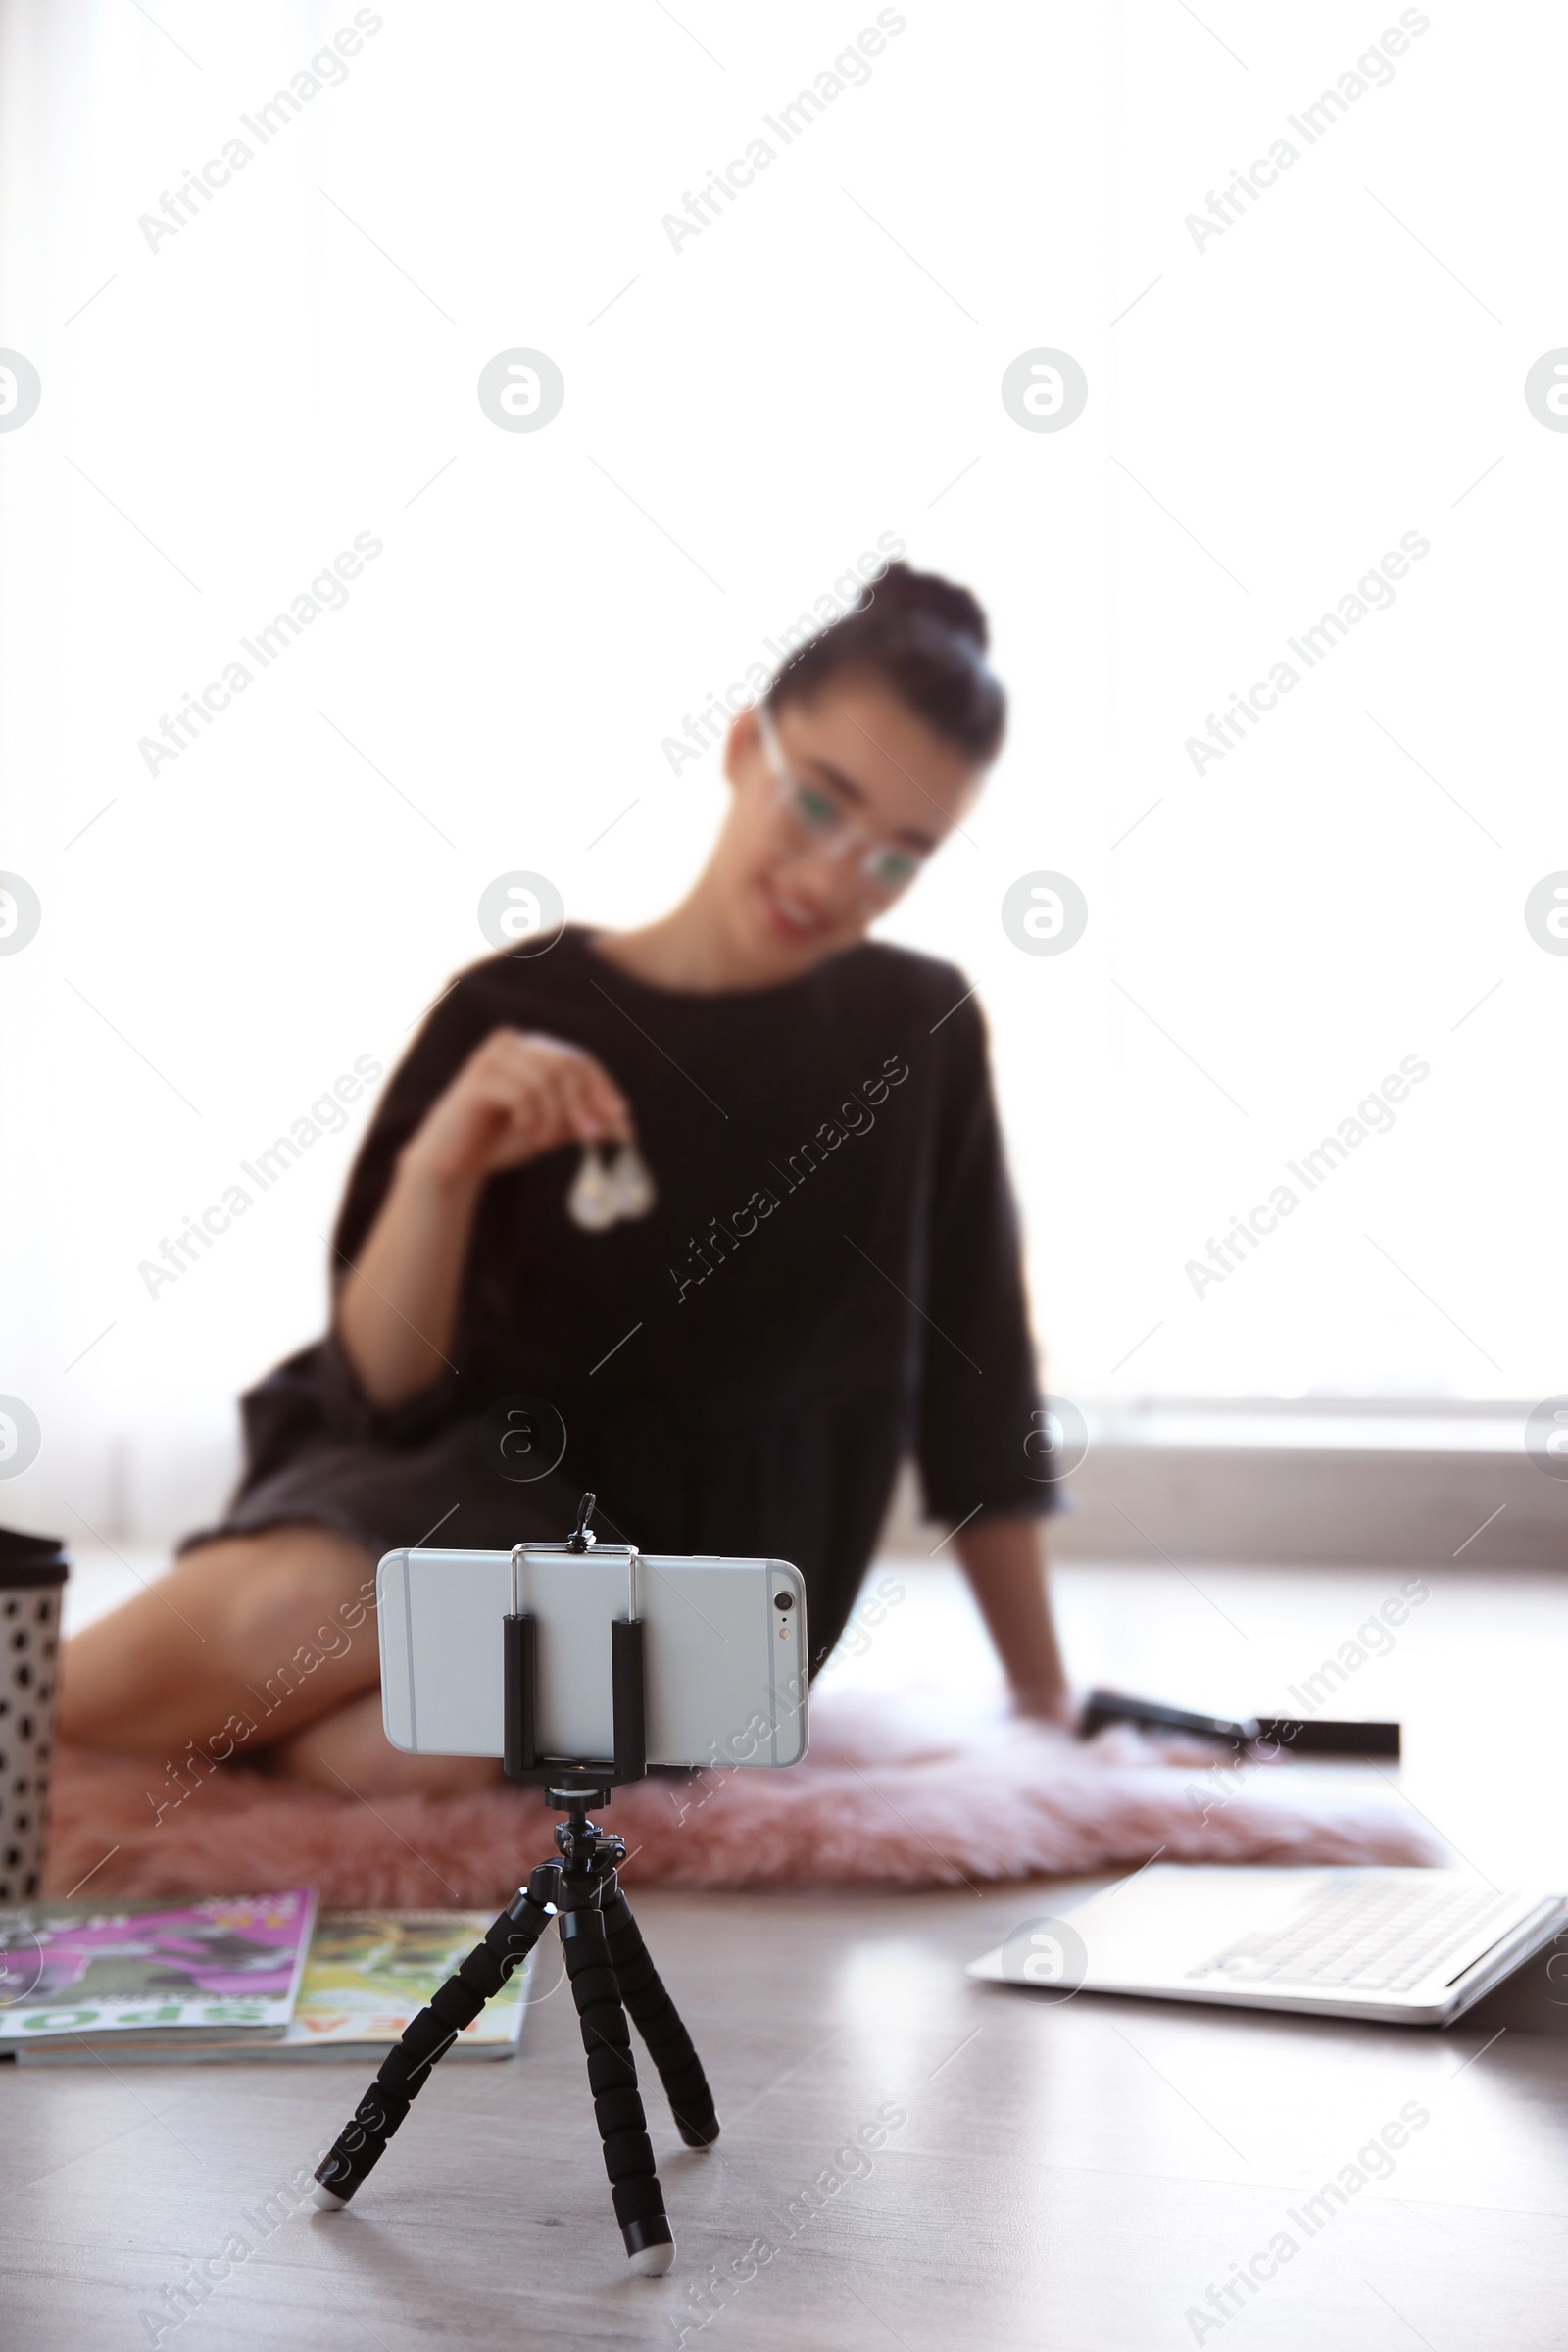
x: 783, y: 1601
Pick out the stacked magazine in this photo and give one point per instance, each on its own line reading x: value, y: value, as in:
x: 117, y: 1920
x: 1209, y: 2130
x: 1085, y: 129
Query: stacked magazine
x: 262, y: 1976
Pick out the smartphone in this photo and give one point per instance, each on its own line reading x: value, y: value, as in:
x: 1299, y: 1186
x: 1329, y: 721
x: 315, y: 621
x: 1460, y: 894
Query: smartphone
x: 724, y: 1651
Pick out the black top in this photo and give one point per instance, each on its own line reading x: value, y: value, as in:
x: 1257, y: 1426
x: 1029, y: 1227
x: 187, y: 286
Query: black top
x: 828, y: 1281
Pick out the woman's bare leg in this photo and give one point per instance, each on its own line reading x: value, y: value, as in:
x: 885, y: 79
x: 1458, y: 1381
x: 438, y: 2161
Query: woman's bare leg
x: 349, y: 1753
x: 254, y: 1642
x: 240, y: 1646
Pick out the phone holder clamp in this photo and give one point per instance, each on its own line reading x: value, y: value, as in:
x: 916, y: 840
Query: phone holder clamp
x: 519, y: 1639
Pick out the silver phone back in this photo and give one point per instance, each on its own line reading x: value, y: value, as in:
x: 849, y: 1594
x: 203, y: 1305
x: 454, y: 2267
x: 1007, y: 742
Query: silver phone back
x: 726, y: 1668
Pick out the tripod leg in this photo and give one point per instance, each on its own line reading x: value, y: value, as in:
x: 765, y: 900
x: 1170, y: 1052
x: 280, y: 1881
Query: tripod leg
x: 634, y: 2188
x: 654, y: 2014
x: 406, y: 2070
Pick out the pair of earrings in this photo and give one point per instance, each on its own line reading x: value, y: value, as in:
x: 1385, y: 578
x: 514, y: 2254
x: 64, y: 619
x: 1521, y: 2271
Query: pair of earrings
x: 600, y: 1196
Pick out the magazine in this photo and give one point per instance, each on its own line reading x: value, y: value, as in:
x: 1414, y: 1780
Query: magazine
x: 366, y: 1976
x: 370, y: 1971
x: 98, y: 1975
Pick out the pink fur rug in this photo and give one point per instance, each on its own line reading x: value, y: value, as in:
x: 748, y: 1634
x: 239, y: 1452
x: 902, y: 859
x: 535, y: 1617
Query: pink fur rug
x: 890, y: 1795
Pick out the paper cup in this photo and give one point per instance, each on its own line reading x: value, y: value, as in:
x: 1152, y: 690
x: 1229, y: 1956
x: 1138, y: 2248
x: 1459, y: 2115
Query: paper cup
x: 32, y: 1571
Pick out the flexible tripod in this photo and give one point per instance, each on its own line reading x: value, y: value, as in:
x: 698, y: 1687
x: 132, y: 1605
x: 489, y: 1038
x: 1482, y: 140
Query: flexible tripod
x: 606, y: 1961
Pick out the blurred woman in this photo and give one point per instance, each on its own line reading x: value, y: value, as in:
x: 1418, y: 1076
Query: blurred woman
x: 717, y: 1205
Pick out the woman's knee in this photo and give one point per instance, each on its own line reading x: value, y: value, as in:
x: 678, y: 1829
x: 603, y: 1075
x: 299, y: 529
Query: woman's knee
x: 289, y: 1590
x: 350, y: 1747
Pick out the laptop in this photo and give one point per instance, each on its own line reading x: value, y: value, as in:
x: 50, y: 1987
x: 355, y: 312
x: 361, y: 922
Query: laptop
x: 1409, y: 1947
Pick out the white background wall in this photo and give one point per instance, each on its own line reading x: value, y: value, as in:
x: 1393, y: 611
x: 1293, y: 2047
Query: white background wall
x: 220, y: 415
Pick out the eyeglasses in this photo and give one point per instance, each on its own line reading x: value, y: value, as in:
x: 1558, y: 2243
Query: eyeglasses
x: 818, y: 821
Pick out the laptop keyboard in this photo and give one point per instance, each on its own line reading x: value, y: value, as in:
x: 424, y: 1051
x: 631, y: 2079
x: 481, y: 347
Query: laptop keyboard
x: 1360, y: 1938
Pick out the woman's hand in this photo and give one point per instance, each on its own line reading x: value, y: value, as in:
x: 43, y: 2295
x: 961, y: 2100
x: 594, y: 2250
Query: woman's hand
x: 518, y: 1095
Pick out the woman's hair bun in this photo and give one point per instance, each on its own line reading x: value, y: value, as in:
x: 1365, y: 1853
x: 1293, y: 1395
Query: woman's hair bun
x: 926, y: 639
x: 951, y: 606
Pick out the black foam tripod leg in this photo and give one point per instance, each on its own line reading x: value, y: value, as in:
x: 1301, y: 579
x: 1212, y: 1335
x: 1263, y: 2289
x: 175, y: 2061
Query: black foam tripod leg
x: 406, y: 2070
x: 634, y: 2188
x: 654, y: 2014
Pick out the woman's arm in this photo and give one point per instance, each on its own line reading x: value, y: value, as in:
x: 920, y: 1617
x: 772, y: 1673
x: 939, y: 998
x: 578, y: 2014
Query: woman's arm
x: 978, y: 1428
x: 397, y: 1306
x: 1005, y: 1560
x: 516, y: 1097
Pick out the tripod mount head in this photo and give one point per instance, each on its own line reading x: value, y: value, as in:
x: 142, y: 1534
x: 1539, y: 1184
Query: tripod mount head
x: 581, y: 1843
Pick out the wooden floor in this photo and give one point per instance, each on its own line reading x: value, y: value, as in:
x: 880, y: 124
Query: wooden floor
x: 907, y: 2158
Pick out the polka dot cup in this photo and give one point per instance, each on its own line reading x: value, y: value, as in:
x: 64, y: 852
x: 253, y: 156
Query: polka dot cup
x: 33, y: 1570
